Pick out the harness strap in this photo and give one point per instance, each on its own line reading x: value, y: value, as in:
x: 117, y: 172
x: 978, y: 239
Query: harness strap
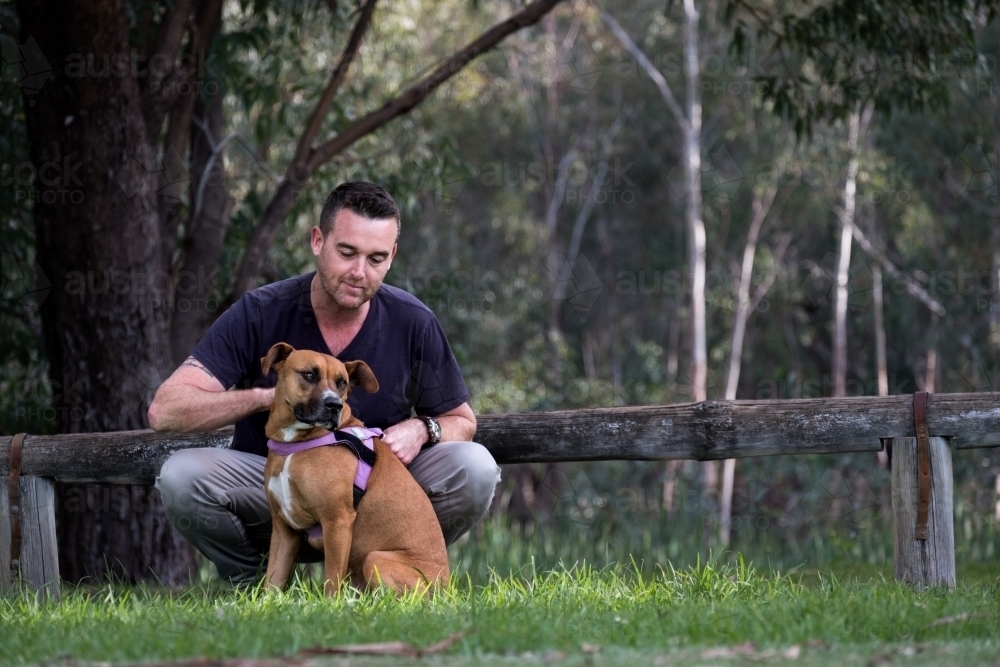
x: 357, y: 439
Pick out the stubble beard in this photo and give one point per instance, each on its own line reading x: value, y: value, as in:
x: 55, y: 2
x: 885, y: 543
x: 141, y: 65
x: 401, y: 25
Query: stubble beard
x: 344, y: 298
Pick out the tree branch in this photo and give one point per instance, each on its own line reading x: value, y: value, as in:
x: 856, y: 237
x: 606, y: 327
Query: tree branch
x: 304, y: 149
x: 650, y: 69
x: 607, y: 142
x: 263, y: 233
x: 911, y: 285
x: 155, y: 98
x: 562, y: 175
x: 207, y: 22
x: 415, y: 95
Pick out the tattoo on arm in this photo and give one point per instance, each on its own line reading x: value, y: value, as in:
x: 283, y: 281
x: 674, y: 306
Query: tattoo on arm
x: 194, y: 363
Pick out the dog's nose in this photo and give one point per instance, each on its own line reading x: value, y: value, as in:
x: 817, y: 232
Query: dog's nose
x: 332, y: 402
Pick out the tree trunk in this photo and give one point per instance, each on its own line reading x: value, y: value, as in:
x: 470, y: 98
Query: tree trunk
x: 689, y: 122
x: 761, y: 206
x: 105, y: 321
x: 931, y: 368
x: 844, y: 261
x: 696, y: 226
x: 880, y: 357
x: 197, y: 297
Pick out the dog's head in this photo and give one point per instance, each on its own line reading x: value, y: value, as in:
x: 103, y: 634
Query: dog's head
x: 311, y: 394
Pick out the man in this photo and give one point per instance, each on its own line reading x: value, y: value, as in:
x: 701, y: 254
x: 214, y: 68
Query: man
x: 215, y: 497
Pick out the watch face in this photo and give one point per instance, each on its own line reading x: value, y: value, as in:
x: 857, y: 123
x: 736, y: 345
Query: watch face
x: 434, y: 428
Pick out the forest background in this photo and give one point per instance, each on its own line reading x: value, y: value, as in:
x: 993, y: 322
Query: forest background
x: 551, y: 208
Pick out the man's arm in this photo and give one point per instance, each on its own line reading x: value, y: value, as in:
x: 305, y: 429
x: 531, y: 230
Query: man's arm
x: 407, y: 437
x: 193, y: 400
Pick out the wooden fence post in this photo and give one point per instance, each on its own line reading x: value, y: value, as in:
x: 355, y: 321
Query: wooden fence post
x: 929, y: 562
x: 38, y: 565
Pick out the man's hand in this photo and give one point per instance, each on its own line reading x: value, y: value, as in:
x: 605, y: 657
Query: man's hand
x: 406, y: 438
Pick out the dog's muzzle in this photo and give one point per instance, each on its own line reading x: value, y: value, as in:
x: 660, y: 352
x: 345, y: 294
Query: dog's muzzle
x: 324, y: 411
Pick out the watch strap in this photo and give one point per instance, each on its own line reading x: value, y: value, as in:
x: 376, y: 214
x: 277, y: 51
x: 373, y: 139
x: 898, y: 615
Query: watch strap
x: 433, y: 430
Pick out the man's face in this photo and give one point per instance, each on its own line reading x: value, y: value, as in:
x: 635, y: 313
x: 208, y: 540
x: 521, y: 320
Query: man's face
x: 354, y: 257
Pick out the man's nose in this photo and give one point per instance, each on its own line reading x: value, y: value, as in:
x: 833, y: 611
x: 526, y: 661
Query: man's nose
x: 358, y: 268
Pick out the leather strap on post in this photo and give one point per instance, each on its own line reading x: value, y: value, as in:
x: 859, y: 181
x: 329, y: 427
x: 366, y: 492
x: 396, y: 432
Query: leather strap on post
x: 923, y: 463
x: 14, y: 499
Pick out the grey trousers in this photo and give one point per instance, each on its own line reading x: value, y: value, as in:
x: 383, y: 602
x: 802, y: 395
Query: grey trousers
x: 215, y: 498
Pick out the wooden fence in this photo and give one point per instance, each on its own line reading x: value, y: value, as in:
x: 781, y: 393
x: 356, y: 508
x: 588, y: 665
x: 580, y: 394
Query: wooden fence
x: 921, y: 470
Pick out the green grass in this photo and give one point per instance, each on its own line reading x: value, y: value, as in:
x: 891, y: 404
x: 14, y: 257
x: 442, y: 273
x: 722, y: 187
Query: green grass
x: 556, y: 617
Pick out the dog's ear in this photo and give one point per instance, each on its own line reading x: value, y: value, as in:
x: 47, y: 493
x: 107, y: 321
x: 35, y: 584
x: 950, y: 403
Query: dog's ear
x: 360, y: 374
x: 275, y: 357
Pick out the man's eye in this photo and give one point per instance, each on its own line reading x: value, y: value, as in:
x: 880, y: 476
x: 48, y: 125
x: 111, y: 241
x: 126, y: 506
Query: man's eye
x: 376, y: 260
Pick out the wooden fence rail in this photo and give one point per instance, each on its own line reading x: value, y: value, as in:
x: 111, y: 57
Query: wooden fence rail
x: 702, y: 431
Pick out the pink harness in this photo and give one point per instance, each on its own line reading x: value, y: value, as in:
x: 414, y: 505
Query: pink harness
x: 356, y: 438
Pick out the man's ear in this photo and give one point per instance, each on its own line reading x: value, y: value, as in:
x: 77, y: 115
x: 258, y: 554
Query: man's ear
x: 360, y: 374
x: 275, y: 357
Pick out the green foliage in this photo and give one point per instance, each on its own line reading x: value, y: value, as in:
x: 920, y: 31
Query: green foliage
x: 25, y: 393
x: 790, y: 513
x: 828, y: 59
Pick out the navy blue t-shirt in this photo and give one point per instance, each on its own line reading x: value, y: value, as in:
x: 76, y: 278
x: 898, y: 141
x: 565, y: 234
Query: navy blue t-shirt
x: 400, y: 340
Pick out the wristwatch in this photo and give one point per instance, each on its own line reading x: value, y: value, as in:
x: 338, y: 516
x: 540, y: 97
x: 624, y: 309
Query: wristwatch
x: 433, y: 429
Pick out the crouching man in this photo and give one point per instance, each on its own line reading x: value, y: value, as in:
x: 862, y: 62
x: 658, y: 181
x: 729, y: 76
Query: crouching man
x: 215, y: 497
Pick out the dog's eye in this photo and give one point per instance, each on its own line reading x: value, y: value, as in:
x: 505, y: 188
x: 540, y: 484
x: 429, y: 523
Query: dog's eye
x: 341, y: 384
x: 309, y: 376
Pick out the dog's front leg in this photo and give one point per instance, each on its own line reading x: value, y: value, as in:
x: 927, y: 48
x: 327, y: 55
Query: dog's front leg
x: 337, y: 537
x: 285, y: 543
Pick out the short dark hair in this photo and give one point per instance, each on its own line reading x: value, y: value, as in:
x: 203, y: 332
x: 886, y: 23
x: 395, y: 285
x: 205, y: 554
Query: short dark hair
x: 361, y: 198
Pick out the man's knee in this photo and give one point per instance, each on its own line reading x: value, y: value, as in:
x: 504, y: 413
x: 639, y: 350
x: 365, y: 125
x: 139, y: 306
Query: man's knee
x: 481, y: 472
x: 178, y: 480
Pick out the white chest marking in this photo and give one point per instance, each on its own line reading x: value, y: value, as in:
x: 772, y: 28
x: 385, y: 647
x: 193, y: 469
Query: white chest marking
x: 289, y: 433
x: 280, y: 488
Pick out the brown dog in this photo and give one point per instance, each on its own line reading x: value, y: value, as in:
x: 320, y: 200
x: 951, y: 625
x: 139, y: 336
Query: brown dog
x: 393, y: 537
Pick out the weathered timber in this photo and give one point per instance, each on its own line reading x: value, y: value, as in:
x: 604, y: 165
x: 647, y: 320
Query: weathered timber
x: 703, y: 431
x: 929, y: 562
x: 714, y: 430
x: 38, y: 566
x: 122, y: 457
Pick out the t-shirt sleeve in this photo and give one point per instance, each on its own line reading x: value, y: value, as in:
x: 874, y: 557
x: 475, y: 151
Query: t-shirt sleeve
x: 229, y: 349
x: 435, y: 385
